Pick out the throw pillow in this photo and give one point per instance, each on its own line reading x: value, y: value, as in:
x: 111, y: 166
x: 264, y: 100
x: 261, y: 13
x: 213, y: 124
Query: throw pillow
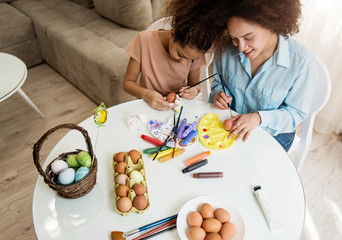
x: 135, y: 14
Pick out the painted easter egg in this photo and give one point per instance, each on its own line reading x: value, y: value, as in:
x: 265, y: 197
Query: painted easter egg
x: 81, y: 173
x: 136, y: 177
x: 100, y: 114
x: 58, y: 165
x: 72, y: 161
x: 171, y: 97
x: 84, y: 158
x: 228, y: 124
x: 66, y: 177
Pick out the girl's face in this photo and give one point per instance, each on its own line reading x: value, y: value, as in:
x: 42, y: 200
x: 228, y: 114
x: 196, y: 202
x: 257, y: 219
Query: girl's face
x: 251, y: 39
x: 182, y: 54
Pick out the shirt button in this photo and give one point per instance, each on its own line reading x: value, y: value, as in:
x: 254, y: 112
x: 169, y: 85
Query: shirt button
x: 249, y: 89
x: 245, y: 107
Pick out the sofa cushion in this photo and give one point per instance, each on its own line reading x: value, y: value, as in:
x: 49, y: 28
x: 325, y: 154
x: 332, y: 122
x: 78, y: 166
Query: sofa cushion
x: 86, y: 3
x: 19, y: 29
x: 135, y: 14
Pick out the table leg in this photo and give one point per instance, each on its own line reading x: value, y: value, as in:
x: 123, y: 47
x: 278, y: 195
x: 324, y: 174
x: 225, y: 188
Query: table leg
x: 28, y: 100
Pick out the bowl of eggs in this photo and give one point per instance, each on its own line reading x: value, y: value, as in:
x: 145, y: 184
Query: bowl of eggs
x: 208, y: 218
x: 130, y: 183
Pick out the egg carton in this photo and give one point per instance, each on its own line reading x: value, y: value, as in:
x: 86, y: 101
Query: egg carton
x: 139, y: 167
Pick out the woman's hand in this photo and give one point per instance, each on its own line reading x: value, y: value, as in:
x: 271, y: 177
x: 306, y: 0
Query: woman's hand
x: 244, y: 124
x: 156, y: 100
x: 190, y: 93
x: 221, y: 99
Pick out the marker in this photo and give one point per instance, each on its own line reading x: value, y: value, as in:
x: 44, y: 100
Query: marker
x: 197, y: 158
x: 154, y: 150
x: 169, y: 156
x: 195, y: 166
x: 181, y: 129
x: 163, y: 153
x: 189, y: 129
x: 189, y: 137
x: 151, y: 140
x: 208, y: 175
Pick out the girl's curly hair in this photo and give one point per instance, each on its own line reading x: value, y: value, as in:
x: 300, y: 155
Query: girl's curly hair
x: 190, y: 24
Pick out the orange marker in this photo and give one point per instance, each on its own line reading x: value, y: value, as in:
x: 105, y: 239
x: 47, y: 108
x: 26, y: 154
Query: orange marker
x: 169, y: 156
x: 197, y: 158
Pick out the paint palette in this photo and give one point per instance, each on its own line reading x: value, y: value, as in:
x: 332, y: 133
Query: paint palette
x: 212, y: 134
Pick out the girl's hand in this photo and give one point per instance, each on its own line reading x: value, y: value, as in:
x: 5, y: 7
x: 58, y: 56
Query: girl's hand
x: 244, y: 124
x: 190, y: 93
x: 156, y: 100
x: 221, y: 99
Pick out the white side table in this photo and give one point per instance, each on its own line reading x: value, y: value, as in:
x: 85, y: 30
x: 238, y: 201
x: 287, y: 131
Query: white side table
x: 13, y: 73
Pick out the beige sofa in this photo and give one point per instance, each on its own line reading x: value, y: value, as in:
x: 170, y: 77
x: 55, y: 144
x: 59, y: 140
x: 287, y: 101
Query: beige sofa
x: 85, y: 40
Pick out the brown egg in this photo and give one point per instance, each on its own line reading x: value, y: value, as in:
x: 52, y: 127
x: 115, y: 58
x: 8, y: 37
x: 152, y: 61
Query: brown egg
x: 194, y: 219
x: 213, y: 236
x: 135, y: 155
x: 207, y: 211
x: 121, y: 167
x: 120, y: 157
x: 124, y: 204
x: 122, y: 191
x: 139, y: 189
x: 140, y: 202
x: 196, y: 233
x: 228, y: 231
x: 211, y: 225
x: 222, y: 215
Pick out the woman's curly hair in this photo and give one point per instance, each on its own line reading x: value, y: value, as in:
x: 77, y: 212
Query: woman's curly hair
x: 202, y: 22
x: 191, y: 27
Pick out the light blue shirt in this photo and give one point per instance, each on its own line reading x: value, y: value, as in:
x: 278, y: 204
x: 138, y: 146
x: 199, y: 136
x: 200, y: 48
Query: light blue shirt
x: 281, y: 90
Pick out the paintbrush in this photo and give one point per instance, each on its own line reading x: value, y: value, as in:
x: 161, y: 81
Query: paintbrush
x: 175, y: 131
x: 167, y: 139
x: 165, y: 225
x: 222, y: 82
x: 116, y: 235
x: 198, y: 83
x: 161, y: 231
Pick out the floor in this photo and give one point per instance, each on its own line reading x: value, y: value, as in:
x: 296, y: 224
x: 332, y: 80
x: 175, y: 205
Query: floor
x: 21, y: 127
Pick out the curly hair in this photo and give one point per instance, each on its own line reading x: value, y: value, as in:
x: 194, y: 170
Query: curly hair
x: 190, y: 24
x: 279, y: 16
x: 202, y: 23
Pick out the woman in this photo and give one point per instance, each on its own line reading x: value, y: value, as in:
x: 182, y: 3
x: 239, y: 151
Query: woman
x: 269, y: 77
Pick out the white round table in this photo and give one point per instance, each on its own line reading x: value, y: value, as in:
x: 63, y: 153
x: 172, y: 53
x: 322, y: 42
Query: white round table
x: 13, y: 73
x: 259, y: 161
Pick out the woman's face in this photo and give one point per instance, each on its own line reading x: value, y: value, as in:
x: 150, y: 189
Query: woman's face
x: 182, y: 54
x: 251, y: 39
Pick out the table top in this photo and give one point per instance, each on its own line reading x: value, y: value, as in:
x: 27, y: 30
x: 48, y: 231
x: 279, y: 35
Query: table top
x: 13, y: 74
x: 258, y: 161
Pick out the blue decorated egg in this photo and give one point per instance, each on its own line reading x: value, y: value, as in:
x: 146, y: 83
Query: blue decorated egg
x: 66, y: 177
x: 81, y: 173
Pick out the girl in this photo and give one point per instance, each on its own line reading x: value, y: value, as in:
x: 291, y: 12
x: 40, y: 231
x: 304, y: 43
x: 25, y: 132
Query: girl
x: 169, y: 60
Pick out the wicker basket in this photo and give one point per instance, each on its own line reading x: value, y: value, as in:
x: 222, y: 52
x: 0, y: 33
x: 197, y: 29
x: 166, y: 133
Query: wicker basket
x: 74, y: 190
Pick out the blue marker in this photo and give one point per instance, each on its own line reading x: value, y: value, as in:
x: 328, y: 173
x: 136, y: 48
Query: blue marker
x: 189, y: 129
x: 189, y: 137
x: 181, y: 129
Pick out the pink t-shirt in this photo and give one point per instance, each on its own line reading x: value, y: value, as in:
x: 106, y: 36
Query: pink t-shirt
x: 159, y: 71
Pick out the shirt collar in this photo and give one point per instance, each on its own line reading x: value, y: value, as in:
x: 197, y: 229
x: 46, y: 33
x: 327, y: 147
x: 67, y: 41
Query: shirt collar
x: 281, y: 55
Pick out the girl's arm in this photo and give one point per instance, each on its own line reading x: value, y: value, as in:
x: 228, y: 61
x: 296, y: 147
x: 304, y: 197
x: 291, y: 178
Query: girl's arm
x: 193, y: 78
x: 154, y: 98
